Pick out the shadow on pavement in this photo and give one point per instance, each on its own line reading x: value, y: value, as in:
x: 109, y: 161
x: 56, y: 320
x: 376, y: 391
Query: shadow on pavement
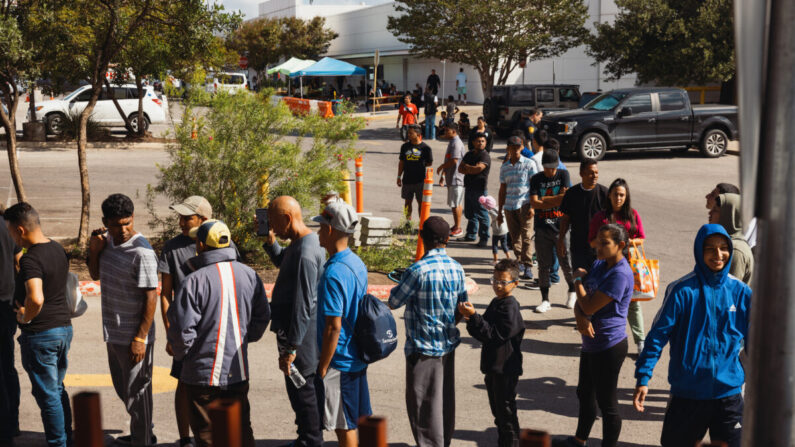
x: 486, y: 438
x: 553, y: 395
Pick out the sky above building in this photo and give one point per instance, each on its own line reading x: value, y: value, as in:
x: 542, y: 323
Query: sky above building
x: 249, y: 8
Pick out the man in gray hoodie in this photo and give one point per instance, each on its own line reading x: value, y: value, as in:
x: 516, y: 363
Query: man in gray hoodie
x: 726, y: 212
x: 220, y: 308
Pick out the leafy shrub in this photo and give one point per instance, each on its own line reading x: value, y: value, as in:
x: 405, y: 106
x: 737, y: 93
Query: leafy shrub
x: 94, y: 130
x: 400, y: 254
x: 249, y: 148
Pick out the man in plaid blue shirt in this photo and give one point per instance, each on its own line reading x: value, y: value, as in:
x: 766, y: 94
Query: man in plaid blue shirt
x: 431, y: 290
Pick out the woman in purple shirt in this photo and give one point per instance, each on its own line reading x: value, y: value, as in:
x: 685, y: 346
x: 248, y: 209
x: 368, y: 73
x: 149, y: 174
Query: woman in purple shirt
x: 619, y: 210
x: 603, y: 297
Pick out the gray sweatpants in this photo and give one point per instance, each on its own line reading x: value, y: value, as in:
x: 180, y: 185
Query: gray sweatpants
x: 133, y: 384
x: 430, y: 398
x: 546, y: 250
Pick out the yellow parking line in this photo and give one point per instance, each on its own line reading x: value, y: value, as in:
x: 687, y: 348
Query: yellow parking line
x: 162, y: 382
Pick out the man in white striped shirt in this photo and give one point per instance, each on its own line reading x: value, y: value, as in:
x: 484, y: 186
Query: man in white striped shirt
x: 220, y: 308
x: 126, y: 266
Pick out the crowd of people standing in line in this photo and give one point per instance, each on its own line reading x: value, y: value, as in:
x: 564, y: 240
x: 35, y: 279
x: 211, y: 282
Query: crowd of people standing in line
x: 588, y: 230
x: 213, y: 306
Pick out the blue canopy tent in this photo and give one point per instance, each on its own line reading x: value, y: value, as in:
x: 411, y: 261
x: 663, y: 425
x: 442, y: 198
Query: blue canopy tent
x: 328, y: 67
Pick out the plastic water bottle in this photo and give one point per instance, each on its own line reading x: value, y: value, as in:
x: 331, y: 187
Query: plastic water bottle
x: 296, y: 377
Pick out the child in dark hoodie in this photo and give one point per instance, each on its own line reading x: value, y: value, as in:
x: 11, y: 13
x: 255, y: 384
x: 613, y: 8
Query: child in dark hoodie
x: 500, y: 329
x: 727, y: 213
x: 705, y: 318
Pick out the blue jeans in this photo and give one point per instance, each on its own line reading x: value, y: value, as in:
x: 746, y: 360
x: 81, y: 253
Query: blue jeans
x: 44, y: 359
x: 554, y: 276
x: 477, y: 216
x: 430, y: 127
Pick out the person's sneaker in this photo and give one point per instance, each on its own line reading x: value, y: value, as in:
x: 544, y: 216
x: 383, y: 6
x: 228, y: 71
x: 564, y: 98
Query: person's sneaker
x: 127, y: 440
x: 543, y: 307
x: 457, y: 232
x: 466, y: 239
x: 526, y: 272
x: 532, y: 284
x: 521, y: 270
x: 571, y: 300
x: 483, y: 243
x: 641, y: 345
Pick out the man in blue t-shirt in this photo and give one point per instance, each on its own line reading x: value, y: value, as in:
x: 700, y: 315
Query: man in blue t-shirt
x: 341, y: 288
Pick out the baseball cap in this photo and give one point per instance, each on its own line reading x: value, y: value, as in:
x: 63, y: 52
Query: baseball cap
x: 194, y: 205
x: 436, y: 228
x: 212, y: 233
x: 339, y: 216
x: 515, y: 141
x: 550, y: 159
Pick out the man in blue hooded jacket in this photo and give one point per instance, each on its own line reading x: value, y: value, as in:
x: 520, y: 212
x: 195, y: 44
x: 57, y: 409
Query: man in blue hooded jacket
x: 705, y: 317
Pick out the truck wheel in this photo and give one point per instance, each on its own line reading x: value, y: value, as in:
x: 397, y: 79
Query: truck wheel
x: 55, y: 123
x: 714, y: 143
x: 592, y: 145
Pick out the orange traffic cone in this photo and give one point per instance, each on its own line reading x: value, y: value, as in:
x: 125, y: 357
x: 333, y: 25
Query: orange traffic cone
x: 27, y: 98
x: 425, y: 210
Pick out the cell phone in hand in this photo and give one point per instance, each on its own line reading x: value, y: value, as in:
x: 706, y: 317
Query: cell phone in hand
x: 262, y: 222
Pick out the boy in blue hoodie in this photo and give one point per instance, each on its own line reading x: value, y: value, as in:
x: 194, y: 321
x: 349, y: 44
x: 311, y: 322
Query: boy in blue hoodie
x: 705, y: 317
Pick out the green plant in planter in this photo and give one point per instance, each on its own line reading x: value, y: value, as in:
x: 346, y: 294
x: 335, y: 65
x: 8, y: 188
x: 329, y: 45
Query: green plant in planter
x: 248, y: 145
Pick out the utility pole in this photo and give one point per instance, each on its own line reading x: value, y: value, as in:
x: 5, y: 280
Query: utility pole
x: 765, y: 44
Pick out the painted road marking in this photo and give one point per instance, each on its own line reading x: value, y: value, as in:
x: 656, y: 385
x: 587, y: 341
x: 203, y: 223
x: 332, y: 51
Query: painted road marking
x: 162, y: 382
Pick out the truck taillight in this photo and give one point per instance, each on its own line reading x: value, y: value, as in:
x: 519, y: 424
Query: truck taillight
x: 157, y: 101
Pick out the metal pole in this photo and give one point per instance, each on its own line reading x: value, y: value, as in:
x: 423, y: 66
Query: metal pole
x: 444, y: 70
x: 88, y: 420
x: 227, y: 427
x: 534, y: 438
x: 372, y: 431
x: 770, y: 394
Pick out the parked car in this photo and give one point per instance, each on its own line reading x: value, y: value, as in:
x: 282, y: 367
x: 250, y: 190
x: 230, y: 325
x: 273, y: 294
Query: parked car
x: 504, y: 108
x: 229, y: 82
x: 105, y: 113
x: 587, y: 97
x: 642, y: 118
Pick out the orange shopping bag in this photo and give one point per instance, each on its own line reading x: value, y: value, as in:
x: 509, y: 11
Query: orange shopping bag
x: 646, y: 272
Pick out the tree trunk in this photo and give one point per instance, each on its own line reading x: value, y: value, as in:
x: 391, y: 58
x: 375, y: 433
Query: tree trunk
x: 486, y: 83
x: 9, y: 123
x: 32, y: 89
x: 111, y: 92
x: 140, y: 86
x: 85, y: 191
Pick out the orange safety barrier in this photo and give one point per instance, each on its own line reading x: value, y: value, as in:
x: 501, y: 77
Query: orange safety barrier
x: 425, y: 210
x: 534, y: 438
x: 301, y: 106
x: 359, y: 185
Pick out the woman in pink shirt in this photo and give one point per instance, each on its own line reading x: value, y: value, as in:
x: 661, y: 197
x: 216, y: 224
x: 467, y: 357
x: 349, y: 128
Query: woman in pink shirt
x: 619, y: 210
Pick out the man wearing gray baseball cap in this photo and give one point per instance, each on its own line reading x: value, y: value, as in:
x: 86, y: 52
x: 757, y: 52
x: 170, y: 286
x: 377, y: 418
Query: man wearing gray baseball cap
x: 346, y: 394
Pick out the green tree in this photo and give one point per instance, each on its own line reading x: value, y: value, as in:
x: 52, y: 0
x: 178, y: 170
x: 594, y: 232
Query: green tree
x: 15, y: 60
x: 241, y: 150
x: 671, y: 42
x: 493, y: 36
x: 265, y: 41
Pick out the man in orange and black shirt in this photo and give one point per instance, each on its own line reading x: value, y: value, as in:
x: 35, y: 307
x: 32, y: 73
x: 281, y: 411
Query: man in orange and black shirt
x: 408, y: 114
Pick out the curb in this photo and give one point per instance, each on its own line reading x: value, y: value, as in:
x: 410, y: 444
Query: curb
x: 92, y: 289
x: 71, y: 145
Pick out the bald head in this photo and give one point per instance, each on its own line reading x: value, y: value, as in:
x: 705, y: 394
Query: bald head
x: 285, y: 218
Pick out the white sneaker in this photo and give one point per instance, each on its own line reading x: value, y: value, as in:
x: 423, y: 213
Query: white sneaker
x: 543, y: 307
x: 571, y: 300
x: 641, y: 345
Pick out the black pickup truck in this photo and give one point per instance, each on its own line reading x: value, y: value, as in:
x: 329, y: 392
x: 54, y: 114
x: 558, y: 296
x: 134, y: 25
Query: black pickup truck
x: 642, y: 118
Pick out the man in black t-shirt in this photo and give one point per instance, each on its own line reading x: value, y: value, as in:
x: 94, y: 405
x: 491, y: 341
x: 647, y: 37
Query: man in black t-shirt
x: 547, y: 189
x: 431, y: 107
x: 415, y: 157
x: 9, y: 378
x: 580, y: 204
x: 475, y: 167
x: 44, y: 318
x: 433, y: 82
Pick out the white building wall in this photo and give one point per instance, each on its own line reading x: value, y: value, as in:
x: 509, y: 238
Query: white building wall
x: 363, y: 28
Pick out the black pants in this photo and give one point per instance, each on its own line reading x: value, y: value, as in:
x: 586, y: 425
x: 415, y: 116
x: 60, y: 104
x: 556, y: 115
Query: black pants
x: 307, y: 407
x: 502, y: 400
x: 597, y: 386
x: 9, y: 379
x: 687, y: 421
x: 200, y: 398
x: 582, y: 258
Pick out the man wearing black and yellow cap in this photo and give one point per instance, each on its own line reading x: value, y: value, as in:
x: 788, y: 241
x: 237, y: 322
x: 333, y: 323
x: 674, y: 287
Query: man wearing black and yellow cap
x: 220, y: 308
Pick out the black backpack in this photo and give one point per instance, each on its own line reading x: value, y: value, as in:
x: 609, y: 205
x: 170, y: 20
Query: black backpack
x: 375, y: 331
